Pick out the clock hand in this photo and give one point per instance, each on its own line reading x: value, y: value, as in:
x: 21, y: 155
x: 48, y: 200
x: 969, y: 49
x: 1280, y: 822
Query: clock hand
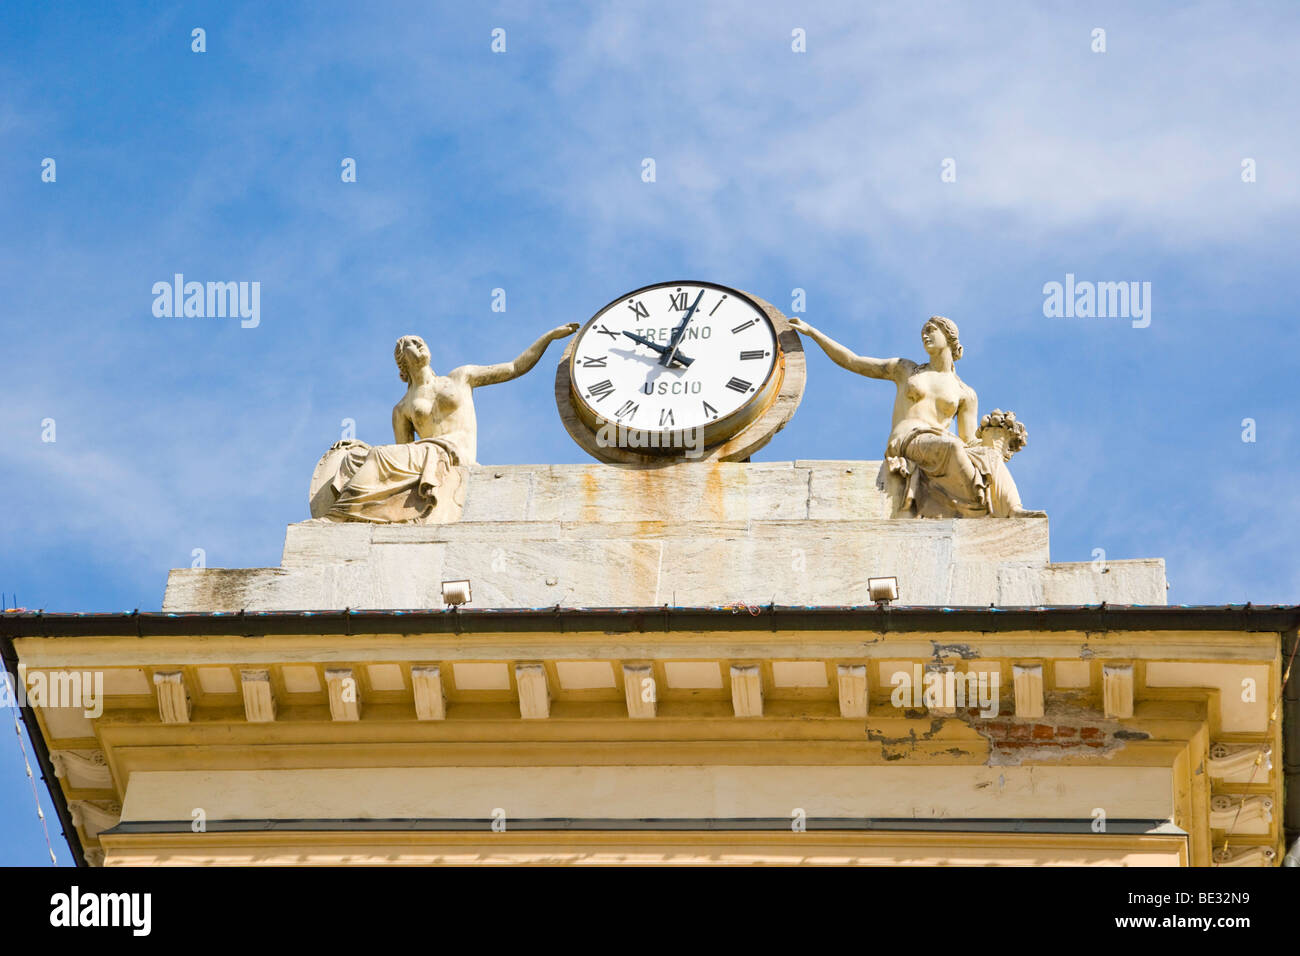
x: 679, y: 332
x: 658, y: 348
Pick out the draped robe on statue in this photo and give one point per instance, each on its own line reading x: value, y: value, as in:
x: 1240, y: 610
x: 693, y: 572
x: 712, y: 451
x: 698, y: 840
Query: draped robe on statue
x: 413, y: 482
x: 924, y: 475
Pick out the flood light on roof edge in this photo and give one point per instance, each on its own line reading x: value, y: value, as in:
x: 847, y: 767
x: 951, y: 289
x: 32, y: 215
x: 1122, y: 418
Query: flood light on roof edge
x: 882, y: 590
x: 455, y: 593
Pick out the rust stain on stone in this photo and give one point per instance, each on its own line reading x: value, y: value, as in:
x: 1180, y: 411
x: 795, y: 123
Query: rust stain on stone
x: 713, y: 493
x: 590, y: 495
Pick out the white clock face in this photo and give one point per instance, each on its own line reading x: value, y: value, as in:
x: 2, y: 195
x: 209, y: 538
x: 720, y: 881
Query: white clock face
x: 673, y: 356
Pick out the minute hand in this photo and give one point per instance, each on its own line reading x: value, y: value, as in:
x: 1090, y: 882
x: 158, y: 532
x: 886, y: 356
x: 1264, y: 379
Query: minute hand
x: 667, y: 357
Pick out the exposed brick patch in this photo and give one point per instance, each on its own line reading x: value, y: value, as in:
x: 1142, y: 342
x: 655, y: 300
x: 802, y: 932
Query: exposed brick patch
x: 1013, y: 742
x: 1069, y: 727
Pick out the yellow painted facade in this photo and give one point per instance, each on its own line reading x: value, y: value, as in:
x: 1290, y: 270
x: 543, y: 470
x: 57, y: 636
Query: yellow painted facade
x: 226, y: 748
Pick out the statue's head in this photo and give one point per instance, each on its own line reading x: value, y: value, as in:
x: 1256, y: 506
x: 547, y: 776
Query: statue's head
x: 411, y: 353
x: 939, y: 332
x: 1000, y: 430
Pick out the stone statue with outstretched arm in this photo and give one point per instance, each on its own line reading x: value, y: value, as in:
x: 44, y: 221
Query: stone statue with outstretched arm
x: 421, y: 477
x: 928, y: 471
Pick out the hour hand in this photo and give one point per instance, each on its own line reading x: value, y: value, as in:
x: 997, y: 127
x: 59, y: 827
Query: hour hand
x: 679, y: 357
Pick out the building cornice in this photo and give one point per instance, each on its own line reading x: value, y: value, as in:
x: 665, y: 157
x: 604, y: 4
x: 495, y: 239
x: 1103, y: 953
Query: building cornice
x: 870, y: 618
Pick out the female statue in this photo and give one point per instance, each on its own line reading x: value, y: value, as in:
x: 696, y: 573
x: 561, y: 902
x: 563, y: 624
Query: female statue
x: 419, y: 478
x: 928, y: 471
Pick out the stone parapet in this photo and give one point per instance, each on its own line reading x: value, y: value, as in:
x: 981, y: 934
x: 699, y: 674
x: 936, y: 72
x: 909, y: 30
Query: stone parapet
x: 803, y: 532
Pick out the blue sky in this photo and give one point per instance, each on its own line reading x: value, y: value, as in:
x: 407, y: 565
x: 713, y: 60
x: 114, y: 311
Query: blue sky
x: 775, y: 170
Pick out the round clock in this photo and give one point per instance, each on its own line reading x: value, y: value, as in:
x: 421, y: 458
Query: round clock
x: 680, y: 371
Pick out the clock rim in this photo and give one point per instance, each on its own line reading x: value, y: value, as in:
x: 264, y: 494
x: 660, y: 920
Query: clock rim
x: 771, y: 415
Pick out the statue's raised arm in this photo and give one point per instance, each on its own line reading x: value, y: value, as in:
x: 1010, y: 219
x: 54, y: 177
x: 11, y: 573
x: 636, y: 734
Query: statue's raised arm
x: 476, y: 375
x: 928, y: 471
x: 861, y: 364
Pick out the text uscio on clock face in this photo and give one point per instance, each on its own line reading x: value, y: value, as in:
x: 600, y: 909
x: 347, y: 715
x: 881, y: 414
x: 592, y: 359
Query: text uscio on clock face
x: 729, y: 346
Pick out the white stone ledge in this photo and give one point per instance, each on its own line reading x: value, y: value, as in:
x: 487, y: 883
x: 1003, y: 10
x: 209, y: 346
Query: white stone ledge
x: 802, y: 532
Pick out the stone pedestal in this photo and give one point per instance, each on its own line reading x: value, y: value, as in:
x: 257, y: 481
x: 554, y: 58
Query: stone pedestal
x: 803, y: 532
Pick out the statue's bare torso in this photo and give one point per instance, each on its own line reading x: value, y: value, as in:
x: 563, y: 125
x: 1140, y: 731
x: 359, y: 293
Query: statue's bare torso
x: 442, y: 408
x: 928, y: 398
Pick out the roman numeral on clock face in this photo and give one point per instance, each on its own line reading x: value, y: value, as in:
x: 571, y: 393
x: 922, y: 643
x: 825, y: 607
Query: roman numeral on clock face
x: 677, y: 301
x: 748, y: 354
x: 738, y: 385
x: 710, y: 410
x: 601, y: 390
x: 604, y: 331
x: 628, y: 408
x: 596, y: 362
x: 639, y: 309
x: 720, y: 301
x: 743, y: 326
x: 666, y: 417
